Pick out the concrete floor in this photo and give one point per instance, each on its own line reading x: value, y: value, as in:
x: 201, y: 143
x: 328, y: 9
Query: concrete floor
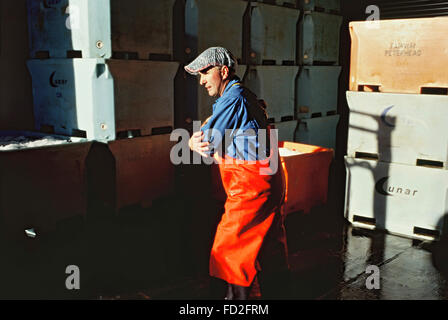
x: 161, y: 253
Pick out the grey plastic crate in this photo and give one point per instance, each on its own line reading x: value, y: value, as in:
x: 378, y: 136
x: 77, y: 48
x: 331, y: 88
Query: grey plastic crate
x: 43, y: 181
x: 211, y: 23
x: 60, y: 28
x: 285, y: 3
x: 276, y: 86
x: 317, y: 91
x: 319, y: 35
x: 273, y: 31
x: 318, y: 131
x: 131, y: 172
x: 286, y: 130
x: 144, y: 95
x: 73, y: 97
x: 320, y: 5
x: 149, y: 29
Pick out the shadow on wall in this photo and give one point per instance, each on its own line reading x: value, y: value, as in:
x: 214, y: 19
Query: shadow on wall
x: 351, y: 10
x: 16, y: 107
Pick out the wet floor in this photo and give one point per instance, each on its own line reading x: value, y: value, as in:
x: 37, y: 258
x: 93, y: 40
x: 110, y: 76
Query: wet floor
x: 162, y: 254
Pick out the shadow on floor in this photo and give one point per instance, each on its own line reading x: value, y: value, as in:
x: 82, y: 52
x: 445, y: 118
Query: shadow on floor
x: 162, y: 253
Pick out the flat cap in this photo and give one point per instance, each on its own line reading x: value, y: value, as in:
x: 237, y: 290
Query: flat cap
x: 214, y: 56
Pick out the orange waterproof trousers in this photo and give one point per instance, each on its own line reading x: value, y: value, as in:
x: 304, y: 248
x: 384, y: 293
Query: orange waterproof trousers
x: 252, y: 202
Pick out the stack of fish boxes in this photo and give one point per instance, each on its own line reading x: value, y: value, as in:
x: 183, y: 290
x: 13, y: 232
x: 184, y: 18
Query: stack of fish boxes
x: 126, y: 102
x: 397, y: 143
x: 271, y: 54
x: 317, y: 83
x: 44, y: 175
x: 145, y: 65
x: 72, y: 84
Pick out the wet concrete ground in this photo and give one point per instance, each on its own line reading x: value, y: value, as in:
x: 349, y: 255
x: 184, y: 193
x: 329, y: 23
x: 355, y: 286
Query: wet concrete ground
x: 161, y: 253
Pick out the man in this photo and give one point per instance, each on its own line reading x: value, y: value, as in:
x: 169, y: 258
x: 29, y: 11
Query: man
x: 250, y: 235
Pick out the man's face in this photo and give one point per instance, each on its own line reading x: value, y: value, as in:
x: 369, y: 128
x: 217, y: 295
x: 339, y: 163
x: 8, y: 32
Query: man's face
x: 213, y: 80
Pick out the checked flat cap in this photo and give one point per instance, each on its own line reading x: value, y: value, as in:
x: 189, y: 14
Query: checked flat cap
x: 214, y: 56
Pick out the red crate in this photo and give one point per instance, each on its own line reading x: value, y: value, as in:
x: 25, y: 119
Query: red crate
x: 306, y: 176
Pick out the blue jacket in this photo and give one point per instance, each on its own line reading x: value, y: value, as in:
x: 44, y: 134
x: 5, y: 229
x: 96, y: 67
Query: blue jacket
x: 238, y: 114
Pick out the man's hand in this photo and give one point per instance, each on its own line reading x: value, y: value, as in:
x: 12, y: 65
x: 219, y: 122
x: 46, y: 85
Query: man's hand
x: 195, y: 143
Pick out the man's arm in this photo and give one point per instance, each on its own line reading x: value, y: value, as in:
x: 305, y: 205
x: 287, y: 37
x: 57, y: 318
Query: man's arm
x: 225, y: 117
x: 206, y: 121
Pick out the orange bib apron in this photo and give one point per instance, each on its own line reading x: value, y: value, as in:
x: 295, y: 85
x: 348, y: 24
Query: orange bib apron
x: 252, y: 202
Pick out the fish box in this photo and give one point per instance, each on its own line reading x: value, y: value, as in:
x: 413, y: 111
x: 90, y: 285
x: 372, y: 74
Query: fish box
x: 398, y: 198
x: 399, y: 56
x: 319, y: 131
x: 273, y: 31
x: 148, y: 29
x: 319, y: 38
x: 204, y: 22
x: 306, y: 170
x: 317, y: 91
x: 42, y: 181
x: 73, y: 97
x: 276, y: 86
x: 400, y: 128
x: 69, y: 28
x: 131, y: 172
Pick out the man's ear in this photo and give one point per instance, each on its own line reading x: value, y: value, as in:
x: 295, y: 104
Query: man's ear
x: 225, y: 72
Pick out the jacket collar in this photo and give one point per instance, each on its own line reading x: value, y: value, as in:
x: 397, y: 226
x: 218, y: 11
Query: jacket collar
x: 229, y: 85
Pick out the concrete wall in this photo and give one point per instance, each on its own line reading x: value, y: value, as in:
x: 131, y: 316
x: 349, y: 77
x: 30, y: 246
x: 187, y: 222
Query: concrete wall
x: 16, y: 105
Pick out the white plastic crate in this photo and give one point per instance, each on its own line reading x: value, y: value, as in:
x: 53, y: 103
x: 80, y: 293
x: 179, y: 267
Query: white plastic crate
x: 398, y: 198
x: 273, y: 32
x: 399, y: 128
x: 319, y: 38
x: 317, y: 91
x: 318, y: 131
x: 276, y: 86
x: 204, y: 22
x: 42, y: 181
x: 73, y: 97
x: 147, y: 28
x: 144, y: 94
x: 58, y: 27
x: 95, y: 99
x: 286, y: 130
